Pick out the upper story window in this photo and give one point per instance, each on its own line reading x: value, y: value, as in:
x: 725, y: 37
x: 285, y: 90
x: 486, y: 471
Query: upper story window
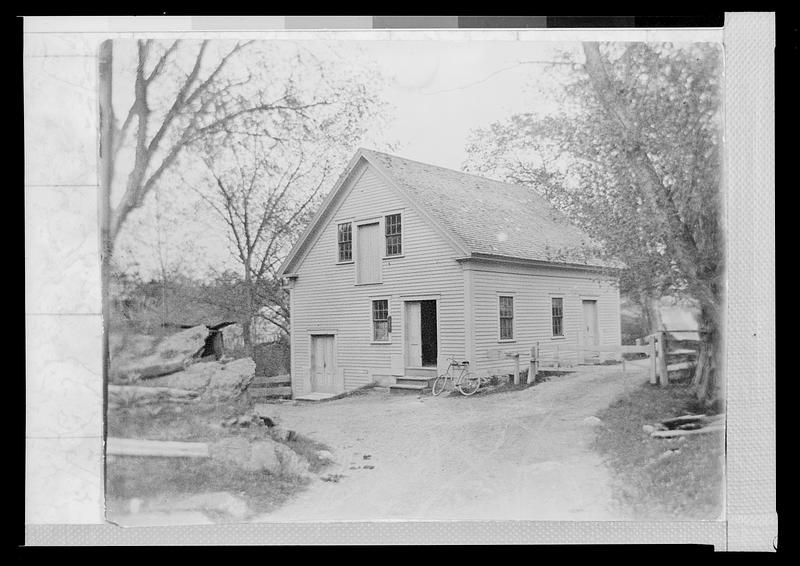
x: 394, y: 235
x: 345, y: 242
x: 506, y: 318
x: 558, y: 316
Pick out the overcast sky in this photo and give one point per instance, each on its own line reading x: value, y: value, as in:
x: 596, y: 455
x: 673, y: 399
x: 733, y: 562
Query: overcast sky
x: 438, y: 92
x: 443, y: 90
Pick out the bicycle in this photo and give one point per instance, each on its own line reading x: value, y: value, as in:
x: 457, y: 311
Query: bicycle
x: 464, y: 381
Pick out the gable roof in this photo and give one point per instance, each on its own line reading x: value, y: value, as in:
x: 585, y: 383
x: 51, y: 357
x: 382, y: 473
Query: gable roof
x: 480, y: 216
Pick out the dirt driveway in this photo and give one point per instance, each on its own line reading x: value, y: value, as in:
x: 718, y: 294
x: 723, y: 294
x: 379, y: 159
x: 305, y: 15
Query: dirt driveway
x: 513, y: 455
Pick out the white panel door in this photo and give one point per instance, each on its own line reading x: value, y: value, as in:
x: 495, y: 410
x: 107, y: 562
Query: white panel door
x: 590, y: 332
x: 323, y: 369
x: 413, y: 334
x: 368, y: 251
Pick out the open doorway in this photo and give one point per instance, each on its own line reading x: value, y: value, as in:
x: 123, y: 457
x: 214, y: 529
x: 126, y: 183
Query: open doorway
x: 421, y: 340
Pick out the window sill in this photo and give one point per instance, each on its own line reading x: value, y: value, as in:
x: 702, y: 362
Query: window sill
x: 367, y: 284
x: 507, y: 341
x: 558, y: 338
x: 383, y: 343
x: 394, y: 256
x: 348, y: 262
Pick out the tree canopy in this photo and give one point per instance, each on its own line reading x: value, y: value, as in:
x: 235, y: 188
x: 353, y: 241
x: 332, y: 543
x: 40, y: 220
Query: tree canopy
x: 633, y: 157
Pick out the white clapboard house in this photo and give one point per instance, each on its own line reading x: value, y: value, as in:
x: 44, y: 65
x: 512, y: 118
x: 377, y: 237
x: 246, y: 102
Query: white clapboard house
x: 407, y: 264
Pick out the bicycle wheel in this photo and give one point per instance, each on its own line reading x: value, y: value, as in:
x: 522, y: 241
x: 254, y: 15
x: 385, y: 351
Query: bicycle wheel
x: 469, y: 385
x: 439, y: 384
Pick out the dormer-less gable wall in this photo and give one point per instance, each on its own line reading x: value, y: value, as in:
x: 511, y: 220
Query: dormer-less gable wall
x: 326, y: 295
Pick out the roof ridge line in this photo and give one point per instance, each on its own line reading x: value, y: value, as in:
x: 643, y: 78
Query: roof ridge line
x: 482, y: 177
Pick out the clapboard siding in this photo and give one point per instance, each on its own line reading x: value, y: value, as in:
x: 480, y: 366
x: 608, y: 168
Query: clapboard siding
x: 325, y: 296
x: 532, y: 289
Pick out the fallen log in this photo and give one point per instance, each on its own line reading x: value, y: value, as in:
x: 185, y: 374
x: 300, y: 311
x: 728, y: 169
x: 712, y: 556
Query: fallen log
x: 158, y: 448
x: 673, y: 433
x: 683, y: 419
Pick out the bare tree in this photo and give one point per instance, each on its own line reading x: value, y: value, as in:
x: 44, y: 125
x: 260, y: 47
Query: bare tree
x: 183, y: 92
x: 263, y: 195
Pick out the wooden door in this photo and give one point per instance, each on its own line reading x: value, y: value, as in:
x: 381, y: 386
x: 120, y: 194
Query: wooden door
x: 323, y: 368
x: 368, y: 252
x: 590, y: 330
x: 413, y: 334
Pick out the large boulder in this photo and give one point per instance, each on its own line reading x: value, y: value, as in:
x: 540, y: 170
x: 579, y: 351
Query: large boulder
x: 171, y: 354
x: 260, y: 455
x: 232, y: 338
x: 291, y: 463
x: 196, y: 377
x: 230, y: 380
x: 215, y: 502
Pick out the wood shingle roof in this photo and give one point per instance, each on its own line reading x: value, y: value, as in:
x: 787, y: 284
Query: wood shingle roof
x: 490, y: 217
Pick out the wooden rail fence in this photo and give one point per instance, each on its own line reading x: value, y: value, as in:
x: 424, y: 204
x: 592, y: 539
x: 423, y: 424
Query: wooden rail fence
x: 654, y: 346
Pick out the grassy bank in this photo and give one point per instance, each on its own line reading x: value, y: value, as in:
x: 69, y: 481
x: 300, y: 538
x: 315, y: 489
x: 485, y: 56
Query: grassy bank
x: 680, y: 478
x: 155, y: 478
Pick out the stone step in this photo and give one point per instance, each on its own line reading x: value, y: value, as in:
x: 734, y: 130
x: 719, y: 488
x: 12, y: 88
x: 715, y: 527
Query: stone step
x: 312, y: 397
x: 681, y: 366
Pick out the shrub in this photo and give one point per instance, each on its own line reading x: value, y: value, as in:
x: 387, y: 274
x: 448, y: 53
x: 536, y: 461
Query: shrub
x: 272, y: 358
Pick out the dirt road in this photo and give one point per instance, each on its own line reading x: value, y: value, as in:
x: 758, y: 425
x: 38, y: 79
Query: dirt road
x: 513, y: 455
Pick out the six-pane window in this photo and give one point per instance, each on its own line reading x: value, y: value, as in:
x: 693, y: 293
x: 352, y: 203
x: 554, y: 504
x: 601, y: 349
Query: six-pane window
x: 558, y: 316
x: 345, y: 242
x: 380, y: 320
x: 506, y: 318
x: 394, y: 235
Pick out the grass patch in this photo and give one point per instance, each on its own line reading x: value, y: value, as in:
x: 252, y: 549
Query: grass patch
x: 146, y: 477
x: 151, y: 477
x: 505, y: 384
x: 654, y: 478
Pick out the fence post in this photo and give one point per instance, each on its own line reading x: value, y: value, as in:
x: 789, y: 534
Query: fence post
x: 662, y: 360
x: 532, y: 366
x: 516, y: 369
x: 558, y: 357
x: 652, y: 341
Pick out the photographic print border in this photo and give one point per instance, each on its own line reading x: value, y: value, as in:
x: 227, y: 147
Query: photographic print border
x: 64, y: 418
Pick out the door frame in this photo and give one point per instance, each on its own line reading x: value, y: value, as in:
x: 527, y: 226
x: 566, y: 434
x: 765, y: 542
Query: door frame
x: 417, y: 298
x: 595, y: 299
x: 336, y: 375
x: 356, y: 224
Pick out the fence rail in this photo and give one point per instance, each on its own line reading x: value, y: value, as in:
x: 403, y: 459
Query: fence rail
x: 654, y: 346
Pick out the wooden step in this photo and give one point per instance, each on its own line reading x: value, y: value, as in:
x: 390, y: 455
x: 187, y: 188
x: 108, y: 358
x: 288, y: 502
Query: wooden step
x: 276, y: 380
x: 415, y: 380
x: 408, y: 388
x: 273, y: 391
x: 422, y: 372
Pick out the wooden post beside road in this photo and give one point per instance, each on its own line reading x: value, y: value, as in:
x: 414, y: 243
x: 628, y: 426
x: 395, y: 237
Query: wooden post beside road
x: 651, y: 340
x: 662, y: 360
x: 516, y: 369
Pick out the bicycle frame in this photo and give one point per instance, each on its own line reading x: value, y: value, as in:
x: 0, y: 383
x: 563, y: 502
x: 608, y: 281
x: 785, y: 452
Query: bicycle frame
x: 456, y: 380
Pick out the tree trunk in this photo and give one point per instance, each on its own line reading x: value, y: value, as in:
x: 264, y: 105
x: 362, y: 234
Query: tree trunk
x: 706, y: 377
x: 247, y: 327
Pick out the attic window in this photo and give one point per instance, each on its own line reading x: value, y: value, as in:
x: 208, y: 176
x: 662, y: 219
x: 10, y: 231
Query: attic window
x: 345, y: 242
x: 394, y: 235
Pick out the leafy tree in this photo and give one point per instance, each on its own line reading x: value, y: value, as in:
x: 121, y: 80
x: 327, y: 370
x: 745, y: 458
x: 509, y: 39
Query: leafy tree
x: 634, y: 158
